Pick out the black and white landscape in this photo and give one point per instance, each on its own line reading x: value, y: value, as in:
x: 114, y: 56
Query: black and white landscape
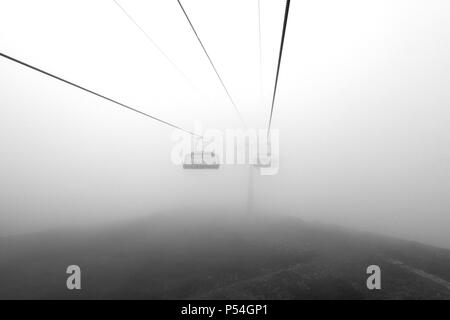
x: 95, y: 97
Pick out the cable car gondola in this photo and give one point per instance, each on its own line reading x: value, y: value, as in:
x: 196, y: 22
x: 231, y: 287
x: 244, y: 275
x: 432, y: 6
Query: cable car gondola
x: 263, y: 161
x: 201, y: 160
x: 264, y: 157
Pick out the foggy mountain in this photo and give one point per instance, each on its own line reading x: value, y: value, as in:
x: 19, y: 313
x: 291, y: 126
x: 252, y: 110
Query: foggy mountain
x: 361, y: 119
x: 362, y: 110
x: 230, y: 256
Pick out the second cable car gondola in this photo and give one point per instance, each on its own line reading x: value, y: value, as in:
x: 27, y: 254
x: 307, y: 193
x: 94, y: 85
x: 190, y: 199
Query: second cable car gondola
x: 264, y: 158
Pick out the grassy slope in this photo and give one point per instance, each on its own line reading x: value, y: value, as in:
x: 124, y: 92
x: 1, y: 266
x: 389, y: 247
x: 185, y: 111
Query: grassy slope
x: 201, y: 256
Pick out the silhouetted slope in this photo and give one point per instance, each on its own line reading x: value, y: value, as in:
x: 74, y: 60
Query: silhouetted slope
x: 220, y: 256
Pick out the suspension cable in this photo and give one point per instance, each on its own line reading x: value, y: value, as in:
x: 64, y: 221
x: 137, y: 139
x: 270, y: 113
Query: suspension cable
x: 171, y: 62
x: 96, y: 94
x: 212, y: 64
x: 286, y: 14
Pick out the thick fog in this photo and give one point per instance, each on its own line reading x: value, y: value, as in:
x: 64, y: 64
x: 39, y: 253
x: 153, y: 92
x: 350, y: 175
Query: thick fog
x: 362, y: 110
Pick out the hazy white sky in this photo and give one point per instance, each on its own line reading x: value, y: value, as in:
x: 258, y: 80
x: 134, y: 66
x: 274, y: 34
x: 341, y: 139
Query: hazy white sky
x: 363, y: 110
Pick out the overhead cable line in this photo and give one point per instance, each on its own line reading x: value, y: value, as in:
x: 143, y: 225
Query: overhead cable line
x: 212, y: 64
x: 286, y: 14
x: 96, y: 94
x: 153, y: 42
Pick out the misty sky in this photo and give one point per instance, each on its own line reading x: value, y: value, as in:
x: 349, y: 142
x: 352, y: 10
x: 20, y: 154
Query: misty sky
x: 362, y: 109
